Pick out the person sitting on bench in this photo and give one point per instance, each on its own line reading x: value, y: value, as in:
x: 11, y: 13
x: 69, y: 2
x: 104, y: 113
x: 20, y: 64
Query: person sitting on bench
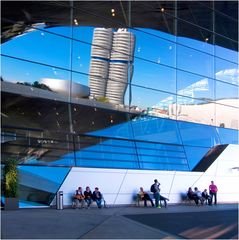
x: 97, y: 196
x: 78, y: 198
x: 142, y: 195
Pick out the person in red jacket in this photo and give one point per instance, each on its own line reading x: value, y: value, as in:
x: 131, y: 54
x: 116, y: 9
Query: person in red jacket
x: 213, y: 191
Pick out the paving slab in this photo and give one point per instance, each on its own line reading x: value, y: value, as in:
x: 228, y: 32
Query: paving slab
x: 111, y: 223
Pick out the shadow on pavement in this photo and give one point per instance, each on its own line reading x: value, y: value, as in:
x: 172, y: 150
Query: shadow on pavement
x: 194, y: 225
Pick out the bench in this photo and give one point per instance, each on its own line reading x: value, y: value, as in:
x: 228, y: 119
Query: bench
x: 82, y: 205
x: 139, y: 201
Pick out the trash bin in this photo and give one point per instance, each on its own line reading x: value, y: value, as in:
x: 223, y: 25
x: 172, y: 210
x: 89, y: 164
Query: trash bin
x: 59, y: 200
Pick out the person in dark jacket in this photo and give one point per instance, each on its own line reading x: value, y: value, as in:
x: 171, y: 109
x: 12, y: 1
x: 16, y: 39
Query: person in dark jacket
x: 207, y: 197
x: 97, y: 196
x: 88, y: 196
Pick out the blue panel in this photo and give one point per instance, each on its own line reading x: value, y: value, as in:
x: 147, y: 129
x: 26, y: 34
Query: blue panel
x: 194, y: 155
x: 144, y: 128
x: 228, y: 136
x: 38, y: 185
x: 122, y: 130
x: 198, y: 134
x: 110, y: 153
x: 156, y: 129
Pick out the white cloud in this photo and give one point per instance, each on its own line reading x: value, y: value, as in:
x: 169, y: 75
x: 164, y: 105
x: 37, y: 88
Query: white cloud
x: 229, y: 75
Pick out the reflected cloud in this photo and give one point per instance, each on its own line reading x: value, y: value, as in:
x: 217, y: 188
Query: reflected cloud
x: 229, y: 75
x: 199, y: 86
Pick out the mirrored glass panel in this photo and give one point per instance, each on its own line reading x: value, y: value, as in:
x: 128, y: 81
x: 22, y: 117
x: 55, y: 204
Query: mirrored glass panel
x: 99, y: 13
x: 22, y: 18
x: 202, y: 39
x: 229, y: 8
x: 195, y: 110
x: 226, y: 26
x: 81, y: 57
x: 228, y: 136
x: 227, y: 94
x: 196, y: 12
x: 38, y: 185
x: 40, y: 133
x: 156, y: 130
x: 154, y: 17
x: 226, y: 71
x: 35, y: 79
x: 108, y: 153
x: 157, y: 103
x: 198, y: 135
x: 227, y: 116
x: 40, y: 47
x: 154, y: 76
x: 153, y: 48
x: 226, y: 49
x: 102, y: 122
x: 82, y: 80
x: 195, y: 155
x: 194, y: 86
x: 194, y: 61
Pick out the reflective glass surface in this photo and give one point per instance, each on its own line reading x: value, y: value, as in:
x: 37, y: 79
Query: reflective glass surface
x: 80, y: 78
x: 222, y: 113
x: 194, y: 61
x: 223, y: 23
x: 154, y: 49
x: 36, y: 51
x: 226, y: 71
x: 122, y: 84
x: 194, y: 86
x: 195, y: 110
x: 198, y: 135
x: 227, y: 94
x: 204, y: 38
x: 195, y: 154
x: 154, y: 76
x: 38, y: 185
x: 229, y: 52
x: 193, y: 11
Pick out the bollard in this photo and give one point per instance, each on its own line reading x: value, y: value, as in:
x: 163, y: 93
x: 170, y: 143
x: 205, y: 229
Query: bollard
x: 59, y: 200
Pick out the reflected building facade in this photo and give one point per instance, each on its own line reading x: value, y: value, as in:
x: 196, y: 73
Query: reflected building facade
x: 112, y: 56
x: 121, y: 93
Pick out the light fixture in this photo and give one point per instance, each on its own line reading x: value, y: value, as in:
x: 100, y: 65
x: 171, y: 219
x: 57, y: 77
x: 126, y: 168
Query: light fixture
x: 112, y: 12
x: 206, y: 39
x: 76, y: 22
x: 162, y: 9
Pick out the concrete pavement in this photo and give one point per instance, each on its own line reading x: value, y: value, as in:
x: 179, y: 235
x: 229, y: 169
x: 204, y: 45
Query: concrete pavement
x: 177, y: 221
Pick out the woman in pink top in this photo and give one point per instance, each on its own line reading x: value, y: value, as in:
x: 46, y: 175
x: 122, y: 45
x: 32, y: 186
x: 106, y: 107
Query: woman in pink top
x: 213, y: 191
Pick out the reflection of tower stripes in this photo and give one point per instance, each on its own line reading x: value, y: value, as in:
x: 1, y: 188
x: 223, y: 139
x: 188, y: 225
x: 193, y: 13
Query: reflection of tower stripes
x: 100, y: 55
x: 120, y: 63
x: 110, y: 64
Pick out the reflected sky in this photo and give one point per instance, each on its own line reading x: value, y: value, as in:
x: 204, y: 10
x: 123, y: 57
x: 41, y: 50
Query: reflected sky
x: 154, y: 64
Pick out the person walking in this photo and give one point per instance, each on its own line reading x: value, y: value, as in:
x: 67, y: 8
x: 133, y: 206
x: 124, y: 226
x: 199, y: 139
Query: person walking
x: 213, y: 191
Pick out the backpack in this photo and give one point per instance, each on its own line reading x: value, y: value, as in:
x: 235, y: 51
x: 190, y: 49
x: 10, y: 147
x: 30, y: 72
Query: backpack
x: 152, y: 189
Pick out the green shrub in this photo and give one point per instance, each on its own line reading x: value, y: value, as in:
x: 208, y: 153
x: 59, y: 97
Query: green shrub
x: 11, y: 179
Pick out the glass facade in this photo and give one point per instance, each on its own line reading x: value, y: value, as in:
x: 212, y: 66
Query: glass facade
x: 136, y: 85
